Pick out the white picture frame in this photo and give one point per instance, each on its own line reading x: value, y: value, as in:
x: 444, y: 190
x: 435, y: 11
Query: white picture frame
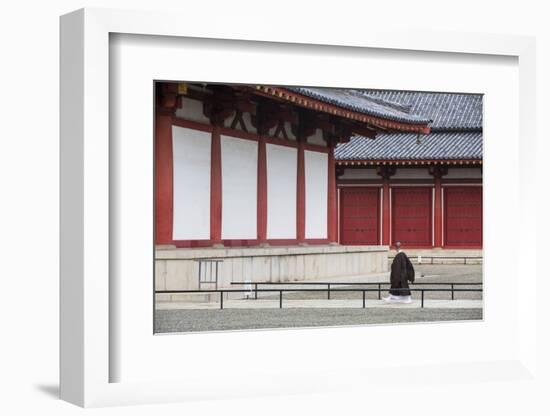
x: 86, y: 262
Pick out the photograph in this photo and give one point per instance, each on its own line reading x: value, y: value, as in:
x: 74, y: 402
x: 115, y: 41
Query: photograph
x: 301, y: 206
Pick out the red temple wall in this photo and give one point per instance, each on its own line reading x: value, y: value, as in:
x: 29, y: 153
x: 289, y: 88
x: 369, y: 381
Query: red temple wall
x: 412, y: 207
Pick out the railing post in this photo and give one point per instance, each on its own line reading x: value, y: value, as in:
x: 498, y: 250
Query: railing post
x: 379, y: 289
x: 280, y: 299
x: 422, y: 302
x: 328, y: 291
x: 256, y: 291
x: 363, y: 298
x: 216, y: 275
x: 200, y: 263
x: 452, y: 291
x: 221, y: 299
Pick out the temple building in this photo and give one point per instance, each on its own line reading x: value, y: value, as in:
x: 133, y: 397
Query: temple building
x: 424, y: 191
x: 244, y: 166
x: 293, y: 183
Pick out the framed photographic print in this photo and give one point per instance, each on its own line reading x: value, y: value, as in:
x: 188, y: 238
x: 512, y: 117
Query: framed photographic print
x: 254, y: 206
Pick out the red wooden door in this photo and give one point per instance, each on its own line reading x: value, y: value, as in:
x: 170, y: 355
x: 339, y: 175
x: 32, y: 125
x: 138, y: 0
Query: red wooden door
x: 411, y: 212
x: 463, y: 216
x: 360, y: 216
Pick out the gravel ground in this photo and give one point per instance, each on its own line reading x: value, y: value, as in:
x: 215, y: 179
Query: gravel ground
x: 194, y: 320
x: 233, y: 319
x: 448, y: 273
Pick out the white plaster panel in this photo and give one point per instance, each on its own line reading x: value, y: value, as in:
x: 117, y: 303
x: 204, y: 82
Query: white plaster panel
x: 227, y: 122
x: 317, y: 138
x: 316, y: 175
x: 247, y: 118
x: 412, y: 173
x: 288, y: 129
x: 360, y: 174
x: 191, y: 110
x: 239, y: 188
x: 281, y: 191
x: 191, y: 155
x: 463, y: 173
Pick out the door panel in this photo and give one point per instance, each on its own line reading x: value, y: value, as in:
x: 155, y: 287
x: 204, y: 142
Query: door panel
x: 412, y: 216
x: 463, y: 216
x: 360, y: 216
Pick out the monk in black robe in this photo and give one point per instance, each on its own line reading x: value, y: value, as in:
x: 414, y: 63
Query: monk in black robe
x: 402, y: 272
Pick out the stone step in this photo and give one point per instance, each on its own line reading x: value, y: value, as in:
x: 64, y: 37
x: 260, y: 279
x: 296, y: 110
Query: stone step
x: 441, y: 256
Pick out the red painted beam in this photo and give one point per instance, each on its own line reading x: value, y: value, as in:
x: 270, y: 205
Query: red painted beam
x: 407, y: 162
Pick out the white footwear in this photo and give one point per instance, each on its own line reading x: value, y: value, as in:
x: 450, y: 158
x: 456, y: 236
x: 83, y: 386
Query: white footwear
x: 397, y: 299
x: 406, y: 299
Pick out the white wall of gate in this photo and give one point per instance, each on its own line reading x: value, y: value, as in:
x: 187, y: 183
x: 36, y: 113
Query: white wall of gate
x: 192, y: 175
x: 191, y: 153
x: 239, y: 188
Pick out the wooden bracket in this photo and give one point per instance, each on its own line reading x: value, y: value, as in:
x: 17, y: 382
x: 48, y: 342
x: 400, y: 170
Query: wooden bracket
x: 166, y: 96
x: 386, y: 171
x: 438, y: 171
x: 305, y: 125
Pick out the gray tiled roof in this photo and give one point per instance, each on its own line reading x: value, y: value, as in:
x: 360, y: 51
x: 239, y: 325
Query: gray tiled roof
x: 403, y: 146
x: 357, y: 101
x: 456, y: 129
x: 448, y: 111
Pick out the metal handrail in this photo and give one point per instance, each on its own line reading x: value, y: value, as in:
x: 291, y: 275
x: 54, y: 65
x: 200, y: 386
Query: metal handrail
x: 350, y: 283
x: 363, y: 290
x: 465, y: 258
x: 329, y: 284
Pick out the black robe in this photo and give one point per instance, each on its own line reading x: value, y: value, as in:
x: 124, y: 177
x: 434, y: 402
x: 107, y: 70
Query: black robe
x: 402, y: 271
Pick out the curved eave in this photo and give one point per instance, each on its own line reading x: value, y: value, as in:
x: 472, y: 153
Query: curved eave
x: 404, y: 162
x: 317, y: 105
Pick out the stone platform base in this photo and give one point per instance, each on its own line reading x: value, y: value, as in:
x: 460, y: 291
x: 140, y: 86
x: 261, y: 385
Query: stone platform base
x: 177, y: 268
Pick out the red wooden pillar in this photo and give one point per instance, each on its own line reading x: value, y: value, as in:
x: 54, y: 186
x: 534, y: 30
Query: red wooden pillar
x: 386, y: 172
x: 166, y: 102
x: 332, y: 209
x: 438, y: 172
x: 385, y: 211
x: 438, y: 218
x: 164, y: 177
x: 216, y: 189
x: 301, y: 196
x: 262, y: 192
